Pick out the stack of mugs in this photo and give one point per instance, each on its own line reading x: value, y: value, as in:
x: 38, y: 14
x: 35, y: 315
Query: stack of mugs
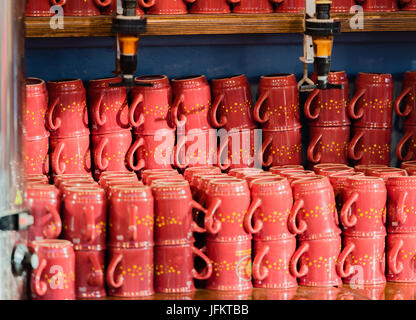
x: 371, y: 110
x: 231, y: 112
x: 329, y: 125
x: 67, y: 121
x: 36, y: 135
x: 277, y: 110
x: 407, y: 144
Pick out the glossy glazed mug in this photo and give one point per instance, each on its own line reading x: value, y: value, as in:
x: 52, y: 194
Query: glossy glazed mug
x: 82, y: 8
x: 372, y: 103
x: 401, y: 253
x: 36, y: 179
x: 54, y: 278
x: 90, y: 275
x: 130, y: 272
x: 253, y: 6
x: 232, y: 107
x: 231, y: 264
x: 342, y: 6
x: 277, y: 106
x: 406, y: 148
x: 70, y: 155
x: 407, y: 97
x: 200, y: 182
x: 165, y: 7
x: 378, y: 5
x: 36, y: 107
x: 210, y: 6
x: 370, y: 146
x: 38, y: 8
x: 314, y: 262
x: 67, y: 114
x: 261, y: 176
x: 174, y: 268
x: 271, y: 263
x: 291, y: 6
x: 386, y: 173
x: 36, y: 156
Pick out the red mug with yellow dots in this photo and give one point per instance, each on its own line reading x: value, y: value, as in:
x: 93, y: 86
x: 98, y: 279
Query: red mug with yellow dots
x: 130, y: 272
x: 84, y: 216
x: 342, y: 6
x: 165, y: 7
x: 407, y: 97
x: 269, y: 210
x: 192, y: 100
x: 278, y: 169
x: 36, y: 107
x: 38, y: 8
x: 210, y: 6
x: 277, y: 106
x: 271, y: 263
x: 386, y: 173
x: 231, y: 265
x: 112, y: 8
x: 372, y: 104
x: 362, y: 260
x: 174, y: 268
x: 67, y: 114
x: 189, y: 172
x: 44, y: 204
x: 406, y: 148
x: 329, y: 107
x: 232, y: 107
x: 328, y: 144
x: 70, y: 155
x: 364, y: 211
x: 401, y: 256
x: 254, y: 6
x: 370, y: 146
x: 89, y: 270
x: 108, y: 106
x: 227, y: 202
x: 378, y: 5
x: 314, y: 262
x: 200, y: 182
x: 401, y: 204
x: 130, y: 210
x: 150, y: 107
x: 54, y: 278
x: 338, y: 182
x: 36, y: 157
x: 82, y: 8
x: 291, y: 6
x: 313, y: 214
x: 282, y: 148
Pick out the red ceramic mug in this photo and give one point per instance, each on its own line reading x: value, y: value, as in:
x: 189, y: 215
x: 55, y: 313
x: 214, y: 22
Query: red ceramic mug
x: 37, y: 178
x: 329, y: 107
x: 364, y: 211
x: 407, y: 97
x: 54, y: 278
x: 278, y: 169
x: 67, y: 114
x: 174, y: 268
x: 112, y: 8
x: 130, y: 272
x: 150, y: 109
x: 111, y: 175
x: 342, y: 6
x: 38, y: 8
x: 131, y: 213
x: 407, y: 5
x: 108, y: 106
x: 282, y: 148
x: 313, y: 214
x: 267, y: 216
x: 365, y: 167
x: 362, y: 260
x: 231, y: 263
x: 372, y: 104
x: 36, y: 157
x: 387, y: 172
x: 165, y: 7
x: 291, y: 6
x: 401, y: 204
x: 319, y: 166
x: 189, y: 172
x: 378, y: 5
x: 210, y: 6
x: 58, y: 179
x: 149, y: 172
x: 232, y: 107
x: 329, y: 171
x: 406, y: 147
x: 254, y: 6
x: 314, y: 262
x: 277, y: 106
x: 199, y: 183
x: 44, y: 202
x: 70, y: 155
x: 84, y: 216
x: 370, y: 146
x: 82, y: 8
x: 158, y: 176
x: 76, y: 183
x: 401, y: 250
x: 241, y: 173
x: 328, y: 144
x: 89, y: 271
x: 261, y: 176
x: 271, y: 263
x: 114, y: 185
x: 36, y: 107
x: 408, y: 164
x: 338, y: 182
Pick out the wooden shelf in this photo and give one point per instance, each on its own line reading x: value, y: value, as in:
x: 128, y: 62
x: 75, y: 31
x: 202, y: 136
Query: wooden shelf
x: 216, y: 24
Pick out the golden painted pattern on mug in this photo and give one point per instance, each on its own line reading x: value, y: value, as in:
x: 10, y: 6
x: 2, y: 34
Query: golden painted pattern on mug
x: 242, y: 268
x: 322, y: 262
x: 157, y: 111
x: 285, y: 111
x: 409, y: 210
x: 335, y: 105
x: 33, y: 163
x: 378, y: 104
x: 334, y: 147
x: 162, y: 221
x: 319, y: 212
x: 367, y: 259
x: 278, y: 265
x: 76, y: 159
x: 74, y: 107
x: 136, y: 271
x: 233, y: 217
x: 238, y: 107
x: 58, y: 279
x: 287, y: 151
x: 375, y: 214
x: 197, y: 109
x: 116, y: 157
x: 116, y: 106
x: 36, y: 117
x: 376, y: 149
x: 276, y: 217
x: 168, y: 269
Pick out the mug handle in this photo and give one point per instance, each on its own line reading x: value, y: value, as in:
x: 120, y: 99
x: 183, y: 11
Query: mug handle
x: 89, y: 233
x: 96, y: 112
x: 132, y: 111
x: 213, y: 113
x: 58, y: 2
x: 175, y: 110
x: 110, y: 272
x: 212, y: 226
x: 49, y: 116
x: 53, y: 215
x: 96, y: 277
x: 293, y: 228
x: 177, y: 149
x: 207, y: 271
x: 351, y: 148
x: 130, y: 155
x: 311, y: 150
x: 307, y: 108
x: 199, y: 207
x: 148, y: 4
x: 103, y: 3
x: 101, y: 163
x: 342, y: 270
x: 353, y: 102
x: 346, y: 207
x: 303, y: 248
x: 264, y: 147
x: 256, y: 111
x: 58, y: 167
x: 132, y: 212
x: 400, y: 145
x: 220, y: 150
x: 395, y: 266
x: 38, y: 286
x: 408, y: 109
x: 258, y: 224
x: 401, y: 215
x: 260, y: 272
